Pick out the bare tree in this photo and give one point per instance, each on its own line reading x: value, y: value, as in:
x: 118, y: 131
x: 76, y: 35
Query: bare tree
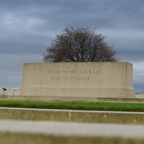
x: 79, y: 45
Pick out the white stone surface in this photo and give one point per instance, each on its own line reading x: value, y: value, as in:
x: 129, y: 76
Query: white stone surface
x: 75, y: 129
x: 81, y: 79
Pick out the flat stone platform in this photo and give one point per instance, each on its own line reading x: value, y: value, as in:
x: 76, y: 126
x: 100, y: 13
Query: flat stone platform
x: 123, y: 100
x: 29, y: 132
x: 68, y: 99
x: 47, y: 98
x: 72, y: 115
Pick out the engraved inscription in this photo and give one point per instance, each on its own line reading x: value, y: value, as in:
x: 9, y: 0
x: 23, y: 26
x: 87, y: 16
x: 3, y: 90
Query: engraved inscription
x: 55, y: 78
x: 89, y: 71
x: 82, y: 75
x: 52, y: 71
x: 70, y: 78
x: 76, y: 78
x: 69, y: 71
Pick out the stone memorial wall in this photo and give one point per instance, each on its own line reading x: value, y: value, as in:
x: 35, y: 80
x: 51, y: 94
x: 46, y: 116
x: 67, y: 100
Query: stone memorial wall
x: 81, y: 79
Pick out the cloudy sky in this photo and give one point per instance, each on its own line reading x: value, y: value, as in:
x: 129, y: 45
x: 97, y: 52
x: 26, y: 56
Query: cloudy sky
x: 27, y: 28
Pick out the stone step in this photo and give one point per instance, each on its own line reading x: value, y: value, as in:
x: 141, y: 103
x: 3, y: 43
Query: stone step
x: 127, y: 100
x: 42, y: 132
x: 48, y: 98
x: 68, y: 99
x: 72, y: 115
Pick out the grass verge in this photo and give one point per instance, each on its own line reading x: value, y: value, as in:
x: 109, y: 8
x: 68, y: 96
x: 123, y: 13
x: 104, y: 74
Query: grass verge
x: 135, y: 107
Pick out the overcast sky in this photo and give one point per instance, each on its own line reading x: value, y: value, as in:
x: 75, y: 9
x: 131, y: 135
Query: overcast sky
x: 27, y: 28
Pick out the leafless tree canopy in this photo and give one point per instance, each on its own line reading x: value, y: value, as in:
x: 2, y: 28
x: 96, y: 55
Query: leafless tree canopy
x: 79, y: 45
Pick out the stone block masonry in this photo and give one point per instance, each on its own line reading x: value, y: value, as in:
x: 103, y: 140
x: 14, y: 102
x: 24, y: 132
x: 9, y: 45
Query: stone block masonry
x: 81, y: 79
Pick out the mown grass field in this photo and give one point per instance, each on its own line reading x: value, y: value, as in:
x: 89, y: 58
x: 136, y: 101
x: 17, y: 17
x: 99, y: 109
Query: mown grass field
x: 134, y: 107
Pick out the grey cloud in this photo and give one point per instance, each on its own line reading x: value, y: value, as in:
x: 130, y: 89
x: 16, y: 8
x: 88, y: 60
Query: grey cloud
x: 13, y: 62
x: 28, y: 27
x: 11, y: 68
x: 10, y: 79
x: 139, y: 88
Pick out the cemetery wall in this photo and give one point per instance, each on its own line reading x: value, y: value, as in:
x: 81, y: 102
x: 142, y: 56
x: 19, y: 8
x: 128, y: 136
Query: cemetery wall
x: 9, y: 91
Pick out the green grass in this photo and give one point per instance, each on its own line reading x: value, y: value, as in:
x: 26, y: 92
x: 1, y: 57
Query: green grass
x: 135, y: 107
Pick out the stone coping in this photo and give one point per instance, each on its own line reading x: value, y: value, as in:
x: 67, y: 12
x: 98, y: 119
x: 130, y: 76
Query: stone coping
x: 63, y: 110
x: 30, y: 132
x: 72, y: 115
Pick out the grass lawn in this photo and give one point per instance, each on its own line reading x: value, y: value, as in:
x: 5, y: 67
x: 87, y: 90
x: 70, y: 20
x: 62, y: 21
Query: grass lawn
x: 135, y: 107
